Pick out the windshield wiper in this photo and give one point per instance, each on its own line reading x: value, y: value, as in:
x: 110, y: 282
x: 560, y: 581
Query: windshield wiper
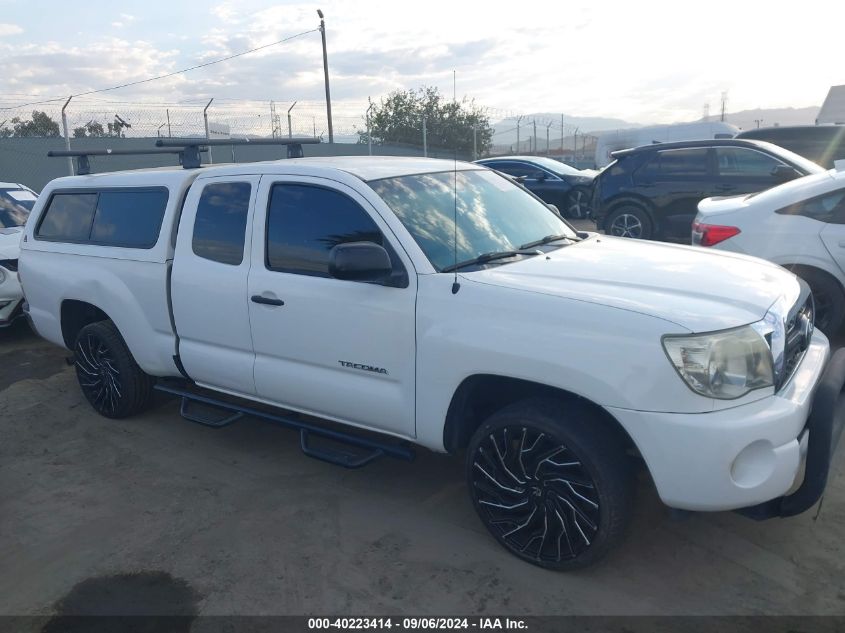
x: 488, y: 257
x: 550, y: 238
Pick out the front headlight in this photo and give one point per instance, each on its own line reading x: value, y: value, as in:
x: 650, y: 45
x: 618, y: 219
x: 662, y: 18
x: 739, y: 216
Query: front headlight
x: 724, y: 365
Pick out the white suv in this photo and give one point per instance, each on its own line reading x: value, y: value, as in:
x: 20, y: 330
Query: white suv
x: 799, y: 225
x: 15, y: 204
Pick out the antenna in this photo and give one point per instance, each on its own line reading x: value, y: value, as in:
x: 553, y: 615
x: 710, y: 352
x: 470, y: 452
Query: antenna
x: 455, y: 285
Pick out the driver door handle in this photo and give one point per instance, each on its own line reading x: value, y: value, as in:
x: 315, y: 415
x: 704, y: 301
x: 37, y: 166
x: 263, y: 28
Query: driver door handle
x: 267, y: 300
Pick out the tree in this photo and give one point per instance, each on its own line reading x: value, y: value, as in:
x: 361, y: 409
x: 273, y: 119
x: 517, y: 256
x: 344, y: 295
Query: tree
x: 449, y: 124
x: 40, y: 125
x: 92, y: 129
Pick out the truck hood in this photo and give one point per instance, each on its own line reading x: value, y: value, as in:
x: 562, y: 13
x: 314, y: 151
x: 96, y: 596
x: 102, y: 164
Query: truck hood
x: 697, y: 289
x: 10, y: 242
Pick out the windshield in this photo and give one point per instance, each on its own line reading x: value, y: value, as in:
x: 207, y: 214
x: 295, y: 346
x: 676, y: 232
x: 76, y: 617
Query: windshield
x: 493, y: 214
x: 791, y: 157
x: 15, y: 205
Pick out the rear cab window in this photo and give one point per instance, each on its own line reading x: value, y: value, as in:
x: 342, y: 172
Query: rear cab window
x: 122, y: 217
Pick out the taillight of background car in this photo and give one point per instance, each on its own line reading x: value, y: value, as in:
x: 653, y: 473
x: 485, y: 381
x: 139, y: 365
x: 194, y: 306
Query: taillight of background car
x: 711, y: 234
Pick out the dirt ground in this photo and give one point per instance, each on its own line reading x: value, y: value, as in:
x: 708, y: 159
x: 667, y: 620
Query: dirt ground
x: 237, y: 521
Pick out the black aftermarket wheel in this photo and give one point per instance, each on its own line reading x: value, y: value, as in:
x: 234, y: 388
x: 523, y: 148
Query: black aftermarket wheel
x: 109, y: 377
x: 549, y: 485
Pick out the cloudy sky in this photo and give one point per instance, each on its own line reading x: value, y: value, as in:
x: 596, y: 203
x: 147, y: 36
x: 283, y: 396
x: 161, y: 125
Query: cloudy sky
x: 644, y: 61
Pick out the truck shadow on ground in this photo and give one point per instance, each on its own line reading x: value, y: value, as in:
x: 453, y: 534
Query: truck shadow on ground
x: 24, y: 355
x: 143, y: 602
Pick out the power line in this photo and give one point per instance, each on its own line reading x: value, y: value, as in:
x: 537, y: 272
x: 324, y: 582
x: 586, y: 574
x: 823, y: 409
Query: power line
x: 177, y: 72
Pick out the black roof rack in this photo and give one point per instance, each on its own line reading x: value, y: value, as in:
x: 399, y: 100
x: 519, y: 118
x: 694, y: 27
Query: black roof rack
x: 188, y: 150
x: 83, y: 164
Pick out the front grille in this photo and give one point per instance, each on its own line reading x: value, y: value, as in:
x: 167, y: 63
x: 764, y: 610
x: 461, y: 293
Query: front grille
x: 798, y: 331
x: 9, y: 264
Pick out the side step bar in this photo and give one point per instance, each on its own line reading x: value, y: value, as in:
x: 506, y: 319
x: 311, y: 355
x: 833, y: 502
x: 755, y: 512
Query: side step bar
x: 368, y: 449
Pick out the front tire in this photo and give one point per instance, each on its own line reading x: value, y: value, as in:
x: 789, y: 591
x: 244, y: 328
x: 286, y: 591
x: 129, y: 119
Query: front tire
x: 551, y: 483
x: 107, y: 373
x: 829, y: 299
x: 630, y: 221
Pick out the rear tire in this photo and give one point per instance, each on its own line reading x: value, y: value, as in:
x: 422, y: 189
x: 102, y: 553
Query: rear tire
x: 107, y: 373
x: 578, y: 204
x: 828, y: 296
x: 551, y: 482
x: 630, y: 221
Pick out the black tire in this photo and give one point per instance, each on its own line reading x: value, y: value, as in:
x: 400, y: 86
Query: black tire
x: 109, y: 377
x: 589, y: 494
x: 630, y: 221
x: 829, y: 299
x: 578, y: 204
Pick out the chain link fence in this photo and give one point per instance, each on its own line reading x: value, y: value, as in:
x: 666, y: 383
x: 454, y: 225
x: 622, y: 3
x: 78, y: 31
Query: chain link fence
x: 543, y: 136
x: 28, y: 133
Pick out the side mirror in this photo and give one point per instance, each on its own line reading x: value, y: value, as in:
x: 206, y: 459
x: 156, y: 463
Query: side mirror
x: 359, y: 261
x: 784, y: 173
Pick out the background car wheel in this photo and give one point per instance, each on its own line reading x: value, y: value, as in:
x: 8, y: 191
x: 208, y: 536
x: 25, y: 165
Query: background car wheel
x: 109, y: 377
x: 630, y: 221
x: 828, y: 297
x: 578, y: 205
x: 551, y: 483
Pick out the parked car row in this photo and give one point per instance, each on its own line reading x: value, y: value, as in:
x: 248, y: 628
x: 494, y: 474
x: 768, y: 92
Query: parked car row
x: 16, y: 202
x: 799, y: 225
x: 651, y: 192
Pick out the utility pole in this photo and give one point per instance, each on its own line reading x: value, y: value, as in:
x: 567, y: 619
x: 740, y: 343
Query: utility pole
x: 518, y: 119
x: 67, y: 135
x: 575, y: 143
x: 369, y: 132
x: 561, y: 134
x: 425, y: 140
x: 290, y: 127
x: 205, y: 118
x: 326, y: 73
x: 535, y: 137
x: 547, y: 137
x: 758, y: 122
x: 724, y: 104
x: 168, y: 123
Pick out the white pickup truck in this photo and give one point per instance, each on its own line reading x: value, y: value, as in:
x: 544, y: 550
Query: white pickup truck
x: 441, y: 304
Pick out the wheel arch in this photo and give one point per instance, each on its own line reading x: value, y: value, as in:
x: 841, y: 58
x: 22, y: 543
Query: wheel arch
x: 75, y: 315
x: 797, y: 268
x: 480, y: 395
x: 631, y: 199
